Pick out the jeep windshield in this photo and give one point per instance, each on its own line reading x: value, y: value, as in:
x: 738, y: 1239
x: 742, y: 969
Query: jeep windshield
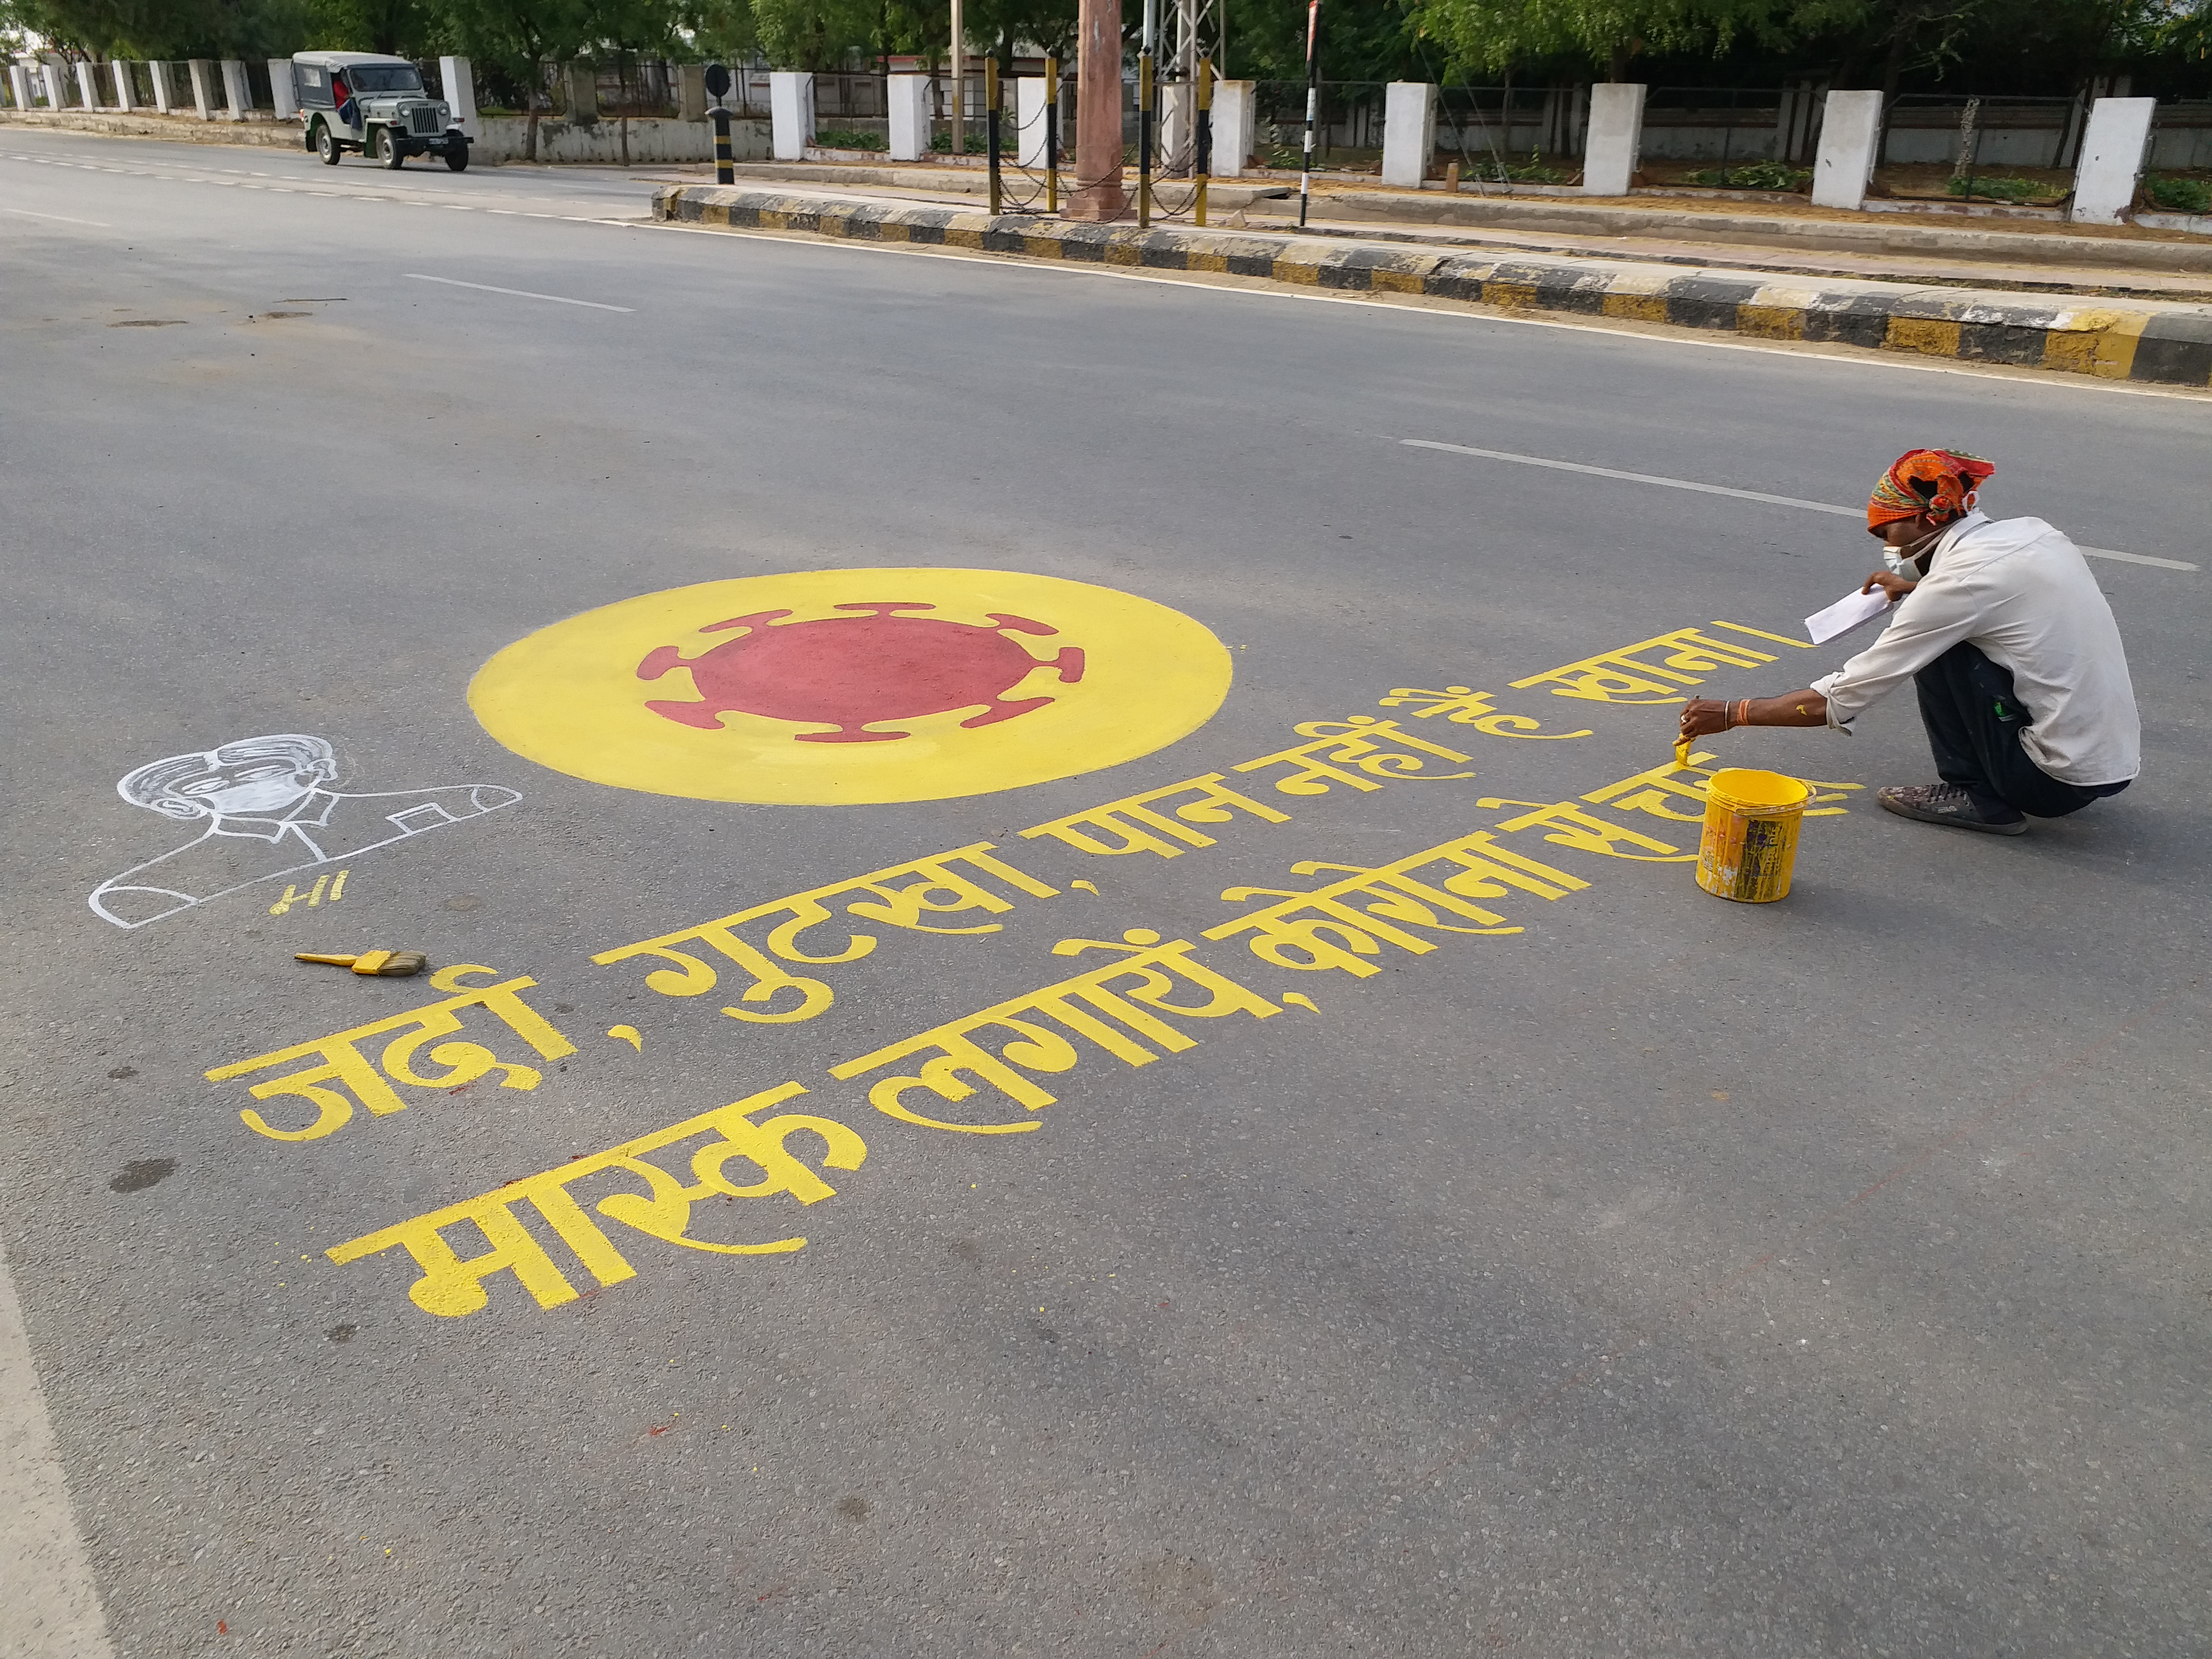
x: 371, y: 78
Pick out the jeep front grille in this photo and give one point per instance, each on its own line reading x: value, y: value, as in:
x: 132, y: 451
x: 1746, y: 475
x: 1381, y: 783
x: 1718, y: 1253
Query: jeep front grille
x: 423, y: 122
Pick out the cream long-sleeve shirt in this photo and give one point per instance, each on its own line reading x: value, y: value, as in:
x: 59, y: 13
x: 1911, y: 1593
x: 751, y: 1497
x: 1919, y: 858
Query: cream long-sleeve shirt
x: 2022, y: 592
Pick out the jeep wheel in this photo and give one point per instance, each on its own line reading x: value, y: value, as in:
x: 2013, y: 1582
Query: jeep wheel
x: 390, y: 150
x: 327, y: 144
x: 457, y: 156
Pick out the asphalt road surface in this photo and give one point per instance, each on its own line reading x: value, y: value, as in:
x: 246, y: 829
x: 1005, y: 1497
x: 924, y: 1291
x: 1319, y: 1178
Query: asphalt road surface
x: 1667, y: 1277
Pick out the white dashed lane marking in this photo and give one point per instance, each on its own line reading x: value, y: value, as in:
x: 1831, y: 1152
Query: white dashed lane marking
x: 519, y: 293
x: 64, y: 218
x: 1723, y: 489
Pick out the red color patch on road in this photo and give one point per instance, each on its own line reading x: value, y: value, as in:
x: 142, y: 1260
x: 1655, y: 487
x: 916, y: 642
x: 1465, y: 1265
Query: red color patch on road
x: 851, y: 672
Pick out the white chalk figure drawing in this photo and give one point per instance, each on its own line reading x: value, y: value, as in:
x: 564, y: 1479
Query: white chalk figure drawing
x: 268, y: 810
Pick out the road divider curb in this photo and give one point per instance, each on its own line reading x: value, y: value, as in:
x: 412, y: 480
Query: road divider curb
x: 2169, y: 344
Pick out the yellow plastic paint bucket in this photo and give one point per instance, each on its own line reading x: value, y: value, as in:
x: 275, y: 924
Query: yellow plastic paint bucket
x: 1750, y: 842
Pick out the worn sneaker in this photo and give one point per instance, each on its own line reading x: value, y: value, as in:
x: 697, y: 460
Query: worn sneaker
x: 1946, y: 803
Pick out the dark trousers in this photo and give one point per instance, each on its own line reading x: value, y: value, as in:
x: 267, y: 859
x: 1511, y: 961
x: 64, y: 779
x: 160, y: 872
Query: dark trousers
x: 1974, y: 724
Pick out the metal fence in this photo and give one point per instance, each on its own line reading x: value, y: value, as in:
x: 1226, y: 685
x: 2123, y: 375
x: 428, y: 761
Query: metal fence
x: 2181, y: 136
x: 1349, y: 116
x: 1730, y: 126
x: 1983, y: 134
x: 1507, y: 133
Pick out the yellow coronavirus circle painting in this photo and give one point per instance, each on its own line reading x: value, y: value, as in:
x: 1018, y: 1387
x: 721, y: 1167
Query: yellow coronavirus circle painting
x: 850, y: 687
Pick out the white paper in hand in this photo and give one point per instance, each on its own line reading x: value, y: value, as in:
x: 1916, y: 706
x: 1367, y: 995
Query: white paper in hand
x: 1845, y: 615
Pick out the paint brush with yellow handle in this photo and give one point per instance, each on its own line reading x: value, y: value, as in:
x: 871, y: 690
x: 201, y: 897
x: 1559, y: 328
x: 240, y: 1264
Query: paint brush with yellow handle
x: 384, y: 965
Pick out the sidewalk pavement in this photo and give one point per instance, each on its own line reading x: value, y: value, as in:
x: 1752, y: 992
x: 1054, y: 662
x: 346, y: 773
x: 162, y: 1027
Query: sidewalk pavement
x: 2143, y: 340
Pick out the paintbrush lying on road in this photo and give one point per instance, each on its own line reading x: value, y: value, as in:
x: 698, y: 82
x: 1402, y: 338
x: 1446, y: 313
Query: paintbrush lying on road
x: 384, y: 965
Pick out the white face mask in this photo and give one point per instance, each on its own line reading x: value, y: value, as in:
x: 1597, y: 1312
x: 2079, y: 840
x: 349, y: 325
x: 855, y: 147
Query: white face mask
x: 1908, y: 562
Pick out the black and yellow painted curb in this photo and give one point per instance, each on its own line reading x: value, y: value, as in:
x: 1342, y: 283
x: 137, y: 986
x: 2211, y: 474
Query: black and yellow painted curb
x: 2171, y: 344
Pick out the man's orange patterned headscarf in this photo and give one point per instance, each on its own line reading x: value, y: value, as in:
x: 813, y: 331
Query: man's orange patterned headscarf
x: 1940, y: 482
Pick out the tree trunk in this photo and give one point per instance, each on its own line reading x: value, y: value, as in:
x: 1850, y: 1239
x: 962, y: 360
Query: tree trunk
x: 1617, y: 67
x: 1893, y: 69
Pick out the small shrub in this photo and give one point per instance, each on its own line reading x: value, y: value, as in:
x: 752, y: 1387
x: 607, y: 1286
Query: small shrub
x: 2000, y: 190
x: 838, y: 139
x: 2172, y: 195
x: 1506, y: 172
x: 1758, y: 175
x: 974, y: 142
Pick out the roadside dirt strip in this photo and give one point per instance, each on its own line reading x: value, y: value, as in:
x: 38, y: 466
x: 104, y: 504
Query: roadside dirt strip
x: 2133, y: 340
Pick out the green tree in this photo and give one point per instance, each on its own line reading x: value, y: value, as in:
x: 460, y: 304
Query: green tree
x: 523, y: 38
x: 995, y: 27
x: 721, y: 30
x: 161, y: 28
x: 1491, y: 35
x: 816, y: 35
x: 1360, y: 41
x: 634, y: 29
x: 398, y: 28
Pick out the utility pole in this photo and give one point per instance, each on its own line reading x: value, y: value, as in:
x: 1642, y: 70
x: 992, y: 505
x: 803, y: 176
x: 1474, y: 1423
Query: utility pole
x: 959, y: 80
x: 1097, y: 193
x: 1145, y: 62
x: 1313, y: 99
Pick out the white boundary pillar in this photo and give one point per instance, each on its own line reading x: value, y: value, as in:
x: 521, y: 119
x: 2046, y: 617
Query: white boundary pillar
x: 164, y: 94
x: 125, y: 99
x: 51, y: 73
x: 1409, y: 132
x: 910, y: 109
x: 87, y: 83
x: 283, y: 91
x: 1232, y: 127
x: 459, y: 80
x: 19, y: 85
x: 1029, y: 111
x: 1850, y: 144
x: 237, y: 90
x: 1176, y: 154
x: 2111, y: 158
x: 791, y: 108
x: 582, y: 77
x: 202, y: 71
x: 1615, y: 138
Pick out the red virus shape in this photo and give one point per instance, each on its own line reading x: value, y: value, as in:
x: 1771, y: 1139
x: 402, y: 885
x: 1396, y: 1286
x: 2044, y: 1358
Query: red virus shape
x: 855, y: 672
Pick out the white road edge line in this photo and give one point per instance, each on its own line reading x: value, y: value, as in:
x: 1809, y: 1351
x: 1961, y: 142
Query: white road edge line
x: 53, y: 1603
x: 1741, y: 495
x: 97, y: 224
x: 519, y: 293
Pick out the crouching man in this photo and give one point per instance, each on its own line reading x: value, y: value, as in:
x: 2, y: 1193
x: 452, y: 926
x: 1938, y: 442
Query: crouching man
x: 2023, y: 685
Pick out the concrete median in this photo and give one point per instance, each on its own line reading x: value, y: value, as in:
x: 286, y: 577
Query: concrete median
x: 2133, y: 340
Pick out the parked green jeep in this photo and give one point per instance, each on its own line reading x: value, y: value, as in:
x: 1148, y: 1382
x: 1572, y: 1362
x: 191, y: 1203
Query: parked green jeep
x: 364, y: 101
